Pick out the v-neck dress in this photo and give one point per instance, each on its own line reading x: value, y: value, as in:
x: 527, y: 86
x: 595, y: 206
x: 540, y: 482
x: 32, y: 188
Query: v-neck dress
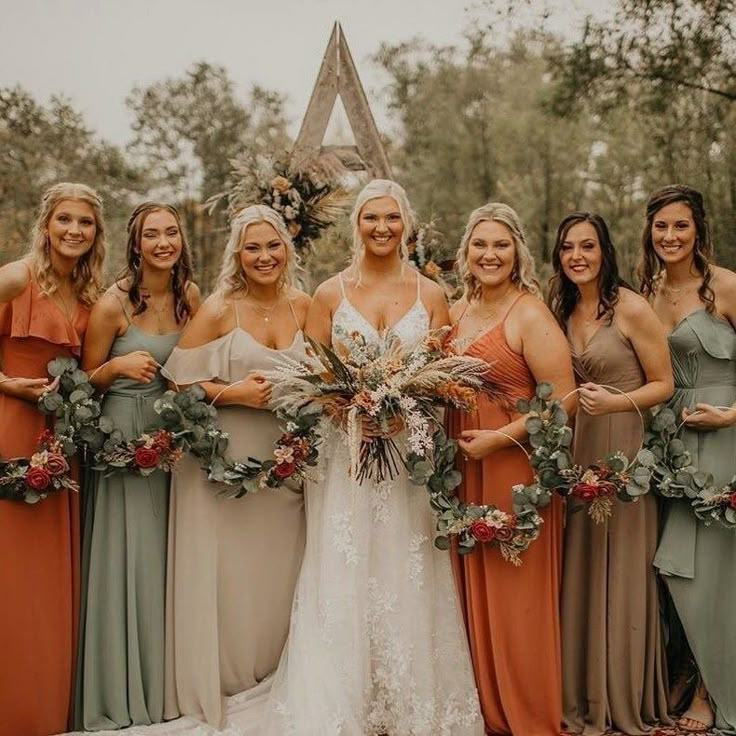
x: 233, y: 563
x: 511, y: 613
x: 120, y: 672
x: 698, y: 562
x: 612, y: 651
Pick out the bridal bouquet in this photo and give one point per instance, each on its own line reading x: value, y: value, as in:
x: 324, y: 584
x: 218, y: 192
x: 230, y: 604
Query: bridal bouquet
x: 375, y: 390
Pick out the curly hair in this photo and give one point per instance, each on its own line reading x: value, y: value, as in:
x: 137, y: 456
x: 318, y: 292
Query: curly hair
x: 651, y: 265
x: 524, y: 273
x: 231, y: 278
x: 181, y: 274
x: 564, y: 294
x: 375, y: 189
x: 87, y: 275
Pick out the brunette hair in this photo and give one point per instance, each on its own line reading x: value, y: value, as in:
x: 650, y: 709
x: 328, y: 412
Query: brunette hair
x: 181, y: 274
x: 87, y: 276
x: 650, y: 265
x: 564, y: 294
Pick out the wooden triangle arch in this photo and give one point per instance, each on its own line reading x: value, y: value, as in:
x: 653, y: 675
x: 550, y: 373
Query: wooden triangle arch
x: 338, y: 76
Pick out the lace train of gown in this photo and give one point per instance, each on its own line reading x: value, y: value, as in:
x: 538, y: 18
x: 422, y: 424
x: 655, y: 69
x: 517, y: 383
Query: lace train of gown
x: 376, y: 643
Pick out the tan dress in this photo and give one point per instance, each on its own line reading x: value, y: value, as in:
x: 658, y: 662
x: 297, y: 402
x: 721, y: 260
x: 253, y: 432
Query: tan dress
x: 612, y: 652
x: 232, y: 563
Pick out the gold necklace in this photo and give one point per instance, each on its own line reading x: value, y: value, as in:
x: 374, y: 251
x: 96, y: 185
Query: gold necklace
x: 60, y: 302
x: 265, y: 312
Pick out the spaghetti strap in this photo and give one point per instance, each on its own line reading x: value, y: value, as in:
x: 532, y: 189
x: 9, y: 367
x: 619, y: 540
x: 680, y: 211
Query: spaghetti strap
x: 122, y: 306
x: 342, y: 286
x: 514, y: 303
x: 293, y: 314
x: 419, y: 286
x: 237, y: 316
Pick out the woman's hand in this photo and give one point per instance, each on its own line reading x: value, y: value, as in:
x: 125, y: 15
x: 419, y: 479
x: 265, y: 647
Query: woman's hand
x: 138, y: 366
x: 28, y: 389
x: 254, y: 391
x: 706, y: 416
x: 476, y: 444
x: 371, y: 428
x: 596, y: 400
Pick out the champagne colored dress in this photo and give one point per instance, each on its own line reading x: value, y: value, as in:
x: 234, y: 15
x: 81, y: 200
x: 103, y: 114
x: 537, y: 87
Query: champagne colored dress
x: 612, y: 650
x: 39, y: 543
x: 511, y: 613
x: 698, y: 562
x: 233, y: 563
x: 120, y: 676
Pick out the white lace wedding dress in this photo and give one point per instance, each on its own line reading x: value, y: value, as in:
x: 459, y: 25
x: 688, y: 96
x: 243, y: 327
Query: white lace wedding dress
x: 377, y: 644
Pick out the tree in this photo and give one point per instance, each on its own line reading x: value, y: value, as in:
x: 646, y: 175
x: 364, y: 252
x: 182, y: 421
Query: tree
x: 44, y: 144
x: 188, y: 129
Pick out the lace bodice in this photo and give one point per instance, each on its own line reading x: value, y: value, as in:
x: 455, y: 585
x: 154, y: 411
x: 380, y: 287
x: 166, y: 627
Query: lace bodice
x: 409, y: 329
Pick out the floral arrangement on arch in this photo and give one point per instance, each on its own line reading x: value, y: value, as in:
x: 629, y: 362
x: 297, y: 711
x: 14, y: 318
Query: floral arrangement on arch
x: 308, y: 196
x: 386, y: 386
x: 427, y: 253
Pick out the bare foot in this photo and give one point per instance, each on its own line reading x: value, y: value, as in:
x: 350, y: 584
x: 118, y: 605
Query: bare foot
x: 699, y: 717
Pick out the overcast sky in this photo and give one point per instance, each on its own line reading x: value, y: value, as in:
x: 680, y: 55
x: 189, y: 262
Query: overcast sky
x: 95, y: 51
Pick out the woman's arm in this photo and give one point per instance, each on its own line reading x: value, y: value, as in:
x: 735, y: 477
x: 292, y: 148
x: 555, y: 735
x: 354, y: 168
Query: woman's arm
x: 547, y: 354
x: 210, y: 323
x: 14, y: 279
x: 106, y: 322
x: 706, y: 417
x: 637, y: 321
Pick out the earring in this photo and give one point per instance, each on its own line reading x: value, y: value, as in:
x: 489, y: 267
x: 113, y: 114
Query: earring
x: 136, y: 259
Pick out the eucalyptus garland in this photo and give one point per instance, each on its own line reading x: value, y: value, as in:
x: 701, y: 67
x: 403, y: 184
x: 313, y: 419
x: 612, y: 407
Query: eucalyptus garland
x: 675, y: 476
x: 192, y: 425
x: 73, y: 408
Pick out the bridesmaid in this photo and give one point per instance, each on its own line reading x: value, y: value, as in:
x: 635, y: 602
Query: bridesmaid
x: 511, y: 613
x: 132, y: 330
x: 45, y: 300
x: 696, y: 301
x: 233, y: 564
x: 614, y: 675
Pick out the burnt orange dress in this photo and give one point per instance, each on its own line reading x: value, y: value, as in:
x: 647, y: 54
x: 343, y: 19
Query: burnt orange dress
x: 511, y: 613
x: 39, y: 543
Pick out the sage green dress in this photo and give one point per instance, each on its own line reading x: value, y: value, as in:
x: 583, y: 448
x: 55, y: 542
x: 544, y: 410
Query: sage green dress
x: 698, y: 562
x: 120, y: 672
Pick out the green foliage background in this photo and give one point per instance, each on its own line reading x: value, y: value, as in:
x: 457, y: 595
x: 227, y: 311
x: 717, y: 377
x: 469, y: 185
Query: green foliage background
x: 644, y: 99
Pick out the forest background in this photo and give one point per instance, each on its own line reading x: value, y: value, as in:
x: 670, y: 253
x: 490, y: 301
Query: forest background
x: 549, y: 124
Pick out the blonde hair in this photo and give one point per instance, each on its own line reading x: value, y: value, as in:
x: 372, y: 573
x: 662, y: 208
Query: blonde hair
x: 87, y: 276
x: 524, y: 273
x: 231, y: 278
x: 375, y: 189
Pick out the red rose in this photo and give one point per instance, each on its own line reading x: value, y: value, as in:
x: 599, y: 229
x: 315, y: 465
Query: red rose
x: 732, y: 500
x: 607, y: 489
x: 284, y: 470
x: 146, y: 457
x: 56, y: 464
x: 46, y: 437
x: 162, y: 442
x: 38, y: 478
x: 585, y: 491
x: 504, y: 533
x: 482, y: 532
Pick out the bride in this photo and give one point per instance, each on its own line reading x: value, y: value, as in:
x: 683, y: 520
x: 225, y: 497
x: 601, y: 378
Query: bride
x: 376, y: 644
